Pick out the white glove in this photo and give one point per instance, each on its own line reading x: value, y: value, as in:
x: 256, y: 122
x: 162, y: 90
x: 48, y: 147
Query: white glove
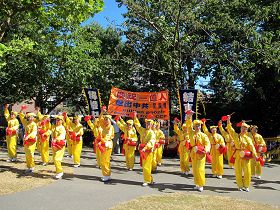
x: 109, y: 144
x: 217, y: 146
x: 260, y: 148
x: 195, y: 149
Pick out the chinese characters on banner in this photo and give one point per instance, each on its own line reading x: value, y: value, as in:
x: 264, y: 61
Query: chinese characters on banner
x: 188, y: 101
x: 124, y: 103
x: 93, y: 100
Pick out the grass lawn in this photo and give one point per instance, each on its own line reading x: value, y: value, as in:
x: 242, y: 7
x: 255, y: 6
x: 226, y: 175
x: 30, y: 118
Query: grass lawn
x: 190, y: 201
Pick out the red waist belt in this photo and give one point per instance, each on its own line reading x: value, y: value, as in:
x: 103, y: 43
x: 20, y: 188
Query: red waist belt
x: 43, y: 137
x: 263, y: 148
x: 58, y: 144
x: 131, y: 143
x: 101, y: 146
x: 143, y: 155
x: 30, y: 141
x: 10, y: 132
x: 74, y: 137
x: 223, y: 149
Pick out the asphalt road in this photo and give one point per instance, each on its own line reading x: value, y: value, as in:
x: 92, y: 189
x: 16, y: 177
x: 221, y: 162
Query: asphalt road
x: 83, y: 190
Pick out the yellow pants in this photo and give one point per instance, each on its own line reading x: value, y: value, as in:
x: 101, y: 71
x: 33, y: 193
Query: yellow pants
x: 57, y: 159
x: 198, y: 167
x: 154, y: 161
x: 29, y: 155
x: 38, y: 144
x: 98, y: 157
x: 184, y: 158
x: 242, y: 166
x: 130, y: 156
x: 105, y: 162
x: 12, y: 146
x: 76, y: 151
x: 45, y: 150
x: 229, y: 153
x: 159, y: 154
x: 217, y: 162
x: 256, y: 167
x: 147, y: 168
x: 69, y: 146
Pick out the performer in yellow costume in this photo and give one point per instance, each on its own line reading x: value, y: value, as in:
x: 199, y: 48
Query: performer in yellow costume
x: 160, y: 140
x: 30, y: 138
x: 216, y: 141
x: 184, y: 146
x: 75, y: 129
x: 106, y: 132
x: 67, y: 125
x: 229, y: 142
x: 155, y: 150
x: 58, y: 145
x: 94, y: 127
x: 260, y: 146
x: 200, y: 145
x: 130, y: 141
x: 11, y: 133
x: 244, y: 151
x: 44, y: 132
x: 148, y: 140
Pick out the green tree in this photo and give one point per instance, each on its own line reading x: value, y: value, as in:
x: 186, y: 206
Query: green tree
x: 35, y: 40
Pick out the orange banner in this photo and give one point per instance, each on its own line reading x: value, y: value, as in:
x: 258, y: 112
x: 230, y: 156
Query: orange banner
x: 124, y: 103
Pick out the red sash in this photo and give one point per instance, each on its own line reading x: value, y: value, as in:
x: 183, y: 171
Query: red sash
x: 96, y: 141
x: 58, y: 144
x: 29, y: 141
x: 10, y: 131
x: 161, y: 141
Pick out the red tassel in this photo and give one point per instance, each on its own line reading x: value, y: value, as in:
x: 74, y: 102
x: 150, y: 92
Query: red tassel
x: 189, y: 111
x: 261, y: 160
x: 239, y: 124
x: 23, y: 107
x: 203, y: 120
x: 117, y: 118
x: 87, y: 118
x: 223, y: 150
x: 150, y: 116
x: 208, y: 158
x: 104, y: 108
x: 187, y: 145
x: 224, y: 118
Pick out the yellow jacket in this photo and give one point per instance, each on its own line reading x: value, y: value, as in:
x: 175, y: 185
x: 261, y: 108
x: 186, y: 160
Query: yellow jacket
x: 29, y: 127
x: 58, y: 133
x: 12, y: 123
x: 197, y: 138
x: 241, y: 141
x: 214, y: 138
x: 128, y: 133
x: 182, y: 136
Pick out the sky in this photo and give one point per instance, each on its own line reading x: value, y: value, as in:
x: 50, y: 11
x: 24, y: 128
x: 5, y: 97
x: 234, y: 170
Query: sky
x: 110, y: 15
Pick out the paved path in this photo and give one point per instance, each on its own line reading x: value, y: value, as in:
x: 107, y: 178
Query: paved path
x: 83, y: 190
